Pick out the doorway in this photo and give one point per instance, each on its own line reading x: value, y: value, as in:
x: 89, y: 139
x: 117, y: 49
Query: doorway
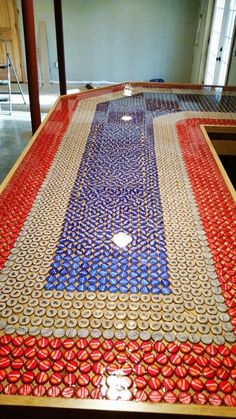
x: 221, y: 40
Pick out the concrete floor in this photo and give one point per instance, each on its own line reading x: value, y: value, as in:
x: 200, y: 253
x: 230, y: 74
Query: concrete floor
x: 15, y: 129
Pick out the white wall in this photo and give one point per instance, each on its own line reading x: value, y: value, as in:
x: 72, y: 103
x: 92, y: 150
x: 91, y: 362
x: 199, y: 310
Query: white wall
x: 117, y: 40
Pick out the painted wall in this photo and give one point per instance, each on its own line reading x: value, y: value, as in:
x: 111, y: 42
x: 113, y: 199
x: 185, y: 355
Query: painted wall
x: 117, y: 40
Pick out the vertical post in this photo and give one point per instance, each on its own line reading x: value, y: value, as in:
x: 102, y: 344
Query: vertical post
x: 31, y: 62
x: 60, y: 45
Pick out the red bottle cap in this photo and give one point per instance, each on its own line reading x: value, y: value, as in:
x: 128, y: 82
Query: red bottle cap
x: 184, y: 398
x: 94, y: 344
x: 30, y: 353
x: 107, y: 345
x: 140, y: 382
x: 189, y: 359
x: 42, y: 377
x: 43, y: 354
x: 175, y: 359
x: 215, y: 400
x: 68, y: 392
x: 146, y: 346
x: 69, y: 355
x: 141, y: 396
x: 139, y: 369
x: 185, y: 347
x: 13, y: 376
x: 167, y: 371
x: 197, y: 348
x: 17, y: 363
x: 56, y: 379
x: 170, y: 397
x: 83, y: 380
x: 82, y: 343
x: 208, y: 372
x: 98, y: 368
x: 181, y: 371
x: 197, y: 384
x: 154, y: 383
x: 211, y: 386
x: 172, y: 348
x: 5, y: 339
x: 96, y: 355
x: 132, y: 346
x: 18, y: 341
x: 85, y: 367
x: 230, y: 400
x: 71, y: 366
x: 3, y: 375
x: 4, y: 362
x: 120, y: 345
x: 194, y: 371
x: 27, y: 377
x: 56, y: 355
x: 183, y: 384
x: 122, y: 357
x: 25, y: 390
x: 126, y: 369
x: 159, y: 347
x: 109, y: 356
x: 10, y: 389
x: 82, y: 355
x: 58, y: 366
x: 43, y: 343
x: 153, y: 370
x: 226, y: 387
x: 68, y: 343
x: 69, y: 379
x: 17, y: 352
x: 149, y: 358
x: 30, y: 341
x: 199, y: 398
x: 155, y: 396
x: 53, y: 391
x: 39, y: 391
x: 31, y: 364
x: 5, y: 350
x: 55, y: 343
x: 82, y: 393
x: 98, y: 380
x: 162, y: 359
x: 112, y: 368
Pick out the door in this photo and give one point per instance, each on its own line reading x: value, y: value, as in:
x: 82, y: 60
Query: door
x: 9, y: 32
x: 220, y: 42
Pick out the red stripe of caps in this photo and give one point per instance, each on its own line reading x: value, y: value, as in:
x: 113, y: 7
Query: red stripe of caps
x: 167, y: 371
x: 55, y: 343
x: 208, y: 372
x: 140, y: 382
x: 170, y: 397
x: 56, y: 355
x: 215, y: 399
x: 69, y: 379
x: 153, y: 370
x: 43, y: 343
x: 132, y: 346
x: 4, y: 362
x: 10, y: 389
x: 30, y: 341
x: 95, y: 355
x: 5, y: 350
x: 226, y: 387
x: 146, y: 346
x: 3, y: 375
x: 39, y: 391
x: 184, y: 398
x: 154, y: 383
x: 68, y: 343
x: 41, y: 377
x: 159, y: 347
x: 109, y: 356
x: 71, y: 366
x: 25, y: 390
x: 82, y: 393
x: 53, y: 391
x: 175, y: 359
x: 30, y: 353
x: 31, y: 364
x: 27, y: 377
x: 199, y: 398
x: 5, y: 339
x: 141, y: 396
x: 85, y: 367
x: 230, y: 400
x: 139, y: 369
x: 18, y: 341
x: 69, y: 355
x: 43, y: 354
x: 94, y: 344
x: 182, y: 384
x: 83, y: 380
x: 107, y: 345
x: 120, y: 345
x: 17, y: 363
x: 155, y: 396
x: 82, y: 355
x: 172, y: 348
x: 122, y: 357
x: 44, y: 365
x: 233, y: 374
x: 82, y: 343
x: 98, y: 368
x: 197, y: 384
x: 58, y: 366
x: 68, y: 392
x: 149, y: 358
x: 17, y: 352
x: 56, y: 378
x: 211, y: 386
